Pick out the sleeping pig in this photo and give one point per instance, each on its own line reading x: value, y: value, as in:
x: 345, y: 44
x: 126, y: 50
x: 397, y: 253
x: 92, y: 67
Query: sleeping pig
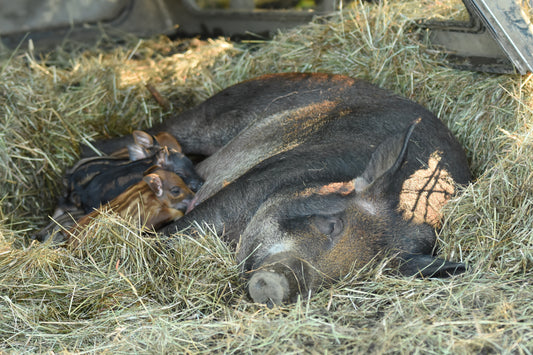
x: 160, y: 197
x: 313, y: 175
x: 90, y: 189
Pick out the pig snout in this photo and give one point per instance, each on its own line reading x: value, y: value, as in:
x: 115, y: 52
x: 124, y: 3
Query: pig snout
x: 279, y: 279
x: 267, y: 287
x: 184, y: 205
x: 192, y: 204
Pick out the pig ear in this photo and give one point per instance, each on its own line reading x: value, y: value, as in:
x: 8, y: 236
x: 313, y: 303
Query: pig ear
x: 162, y: 157
x: 155, y: 184
x: 429, y: 266
x: 142, y: 142
x: 166, y: 139
x: 385, y: 162
x: 135, y: 152
x: 143, y: 139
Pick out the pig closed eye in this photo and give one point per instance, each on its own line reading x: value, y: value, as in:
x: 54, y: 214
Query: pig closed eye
x: 329, y: 225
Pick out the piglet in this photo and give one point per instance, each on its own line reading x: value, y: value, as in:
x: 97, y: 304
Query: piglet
x: 94, y: 188
x: 160, y: 197
x: 80, y: 174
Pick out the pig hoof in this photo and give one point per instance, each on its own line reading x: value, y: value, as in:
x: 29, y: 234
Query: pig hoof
x: 268, y: 288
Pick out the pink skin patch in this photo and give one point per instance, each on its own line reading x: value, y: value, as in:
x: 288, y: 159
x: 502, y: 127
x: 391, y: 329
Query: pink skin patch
x: 343, y: 188
x: 192, y: 204
x: 424, y: 205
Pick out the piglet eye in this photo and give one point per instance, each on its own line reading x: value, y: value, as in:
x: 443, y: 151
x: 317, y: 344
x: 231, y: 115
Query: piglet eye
x: 175, y: 190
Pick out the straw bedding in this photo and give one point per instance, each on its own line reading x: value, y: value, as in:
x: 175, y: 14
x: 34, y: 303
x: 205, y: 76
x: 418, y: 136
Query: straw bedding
x: 121, y: 292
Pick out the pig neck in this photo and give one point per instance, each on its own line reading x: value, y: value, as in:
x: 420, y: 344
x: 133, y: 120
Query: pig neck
x: 231, y: 208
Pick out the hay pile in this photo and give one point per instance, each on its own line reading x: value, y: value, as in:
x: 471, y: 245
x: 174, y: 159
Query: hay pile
x: 122, y: 293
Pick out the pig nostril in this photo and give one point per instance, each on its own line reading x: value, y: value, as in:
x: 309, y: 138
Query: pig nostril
x: 268, y: 288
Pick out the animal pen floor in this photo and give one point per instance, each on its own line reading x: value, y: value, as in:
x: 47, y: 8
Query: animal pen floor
x: 120, y: 293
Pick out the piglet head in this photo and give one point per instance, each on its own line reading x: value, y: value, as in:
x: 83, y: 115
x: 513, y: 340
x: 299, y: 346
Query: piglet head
x: 169, y: 189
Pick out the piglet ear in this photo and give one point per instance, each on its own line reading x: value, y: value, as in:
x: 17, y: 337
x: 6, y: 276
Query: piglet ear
x: 143, y: 139
x: 142, y: 142
x: 162, y: 158
x: 429, y: 266
x: 135, y: 152
x: 384, y: 162
x: 155, y: 184
x: 167, y: 140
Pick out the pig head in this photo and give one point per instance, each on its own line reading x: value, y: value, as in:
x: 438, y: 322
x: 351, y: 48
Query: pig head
x: 314, y: 175
x: 302, y: 238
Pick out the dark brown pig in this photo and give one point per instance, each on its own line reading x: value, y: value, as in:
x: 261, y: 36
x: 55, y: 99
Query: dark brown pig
x: 160, y: 197
x: 312, y: 175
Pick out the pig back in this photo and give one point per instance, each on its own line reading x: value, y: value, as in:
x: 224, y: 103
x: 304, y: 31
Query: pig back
x: 209, y: 126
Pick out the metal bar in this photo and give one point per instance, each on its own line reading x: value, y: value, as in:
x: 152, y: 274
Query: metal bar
x: 510, y: 27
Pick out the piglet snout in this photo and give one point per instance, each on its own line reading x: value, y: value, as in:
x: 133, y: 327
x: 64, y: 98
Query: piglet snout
x: 192, y: 204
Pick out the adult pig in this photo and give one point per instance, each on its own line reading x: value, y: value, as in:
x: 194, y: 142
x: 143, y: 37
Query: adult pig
x: 314, y: 175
